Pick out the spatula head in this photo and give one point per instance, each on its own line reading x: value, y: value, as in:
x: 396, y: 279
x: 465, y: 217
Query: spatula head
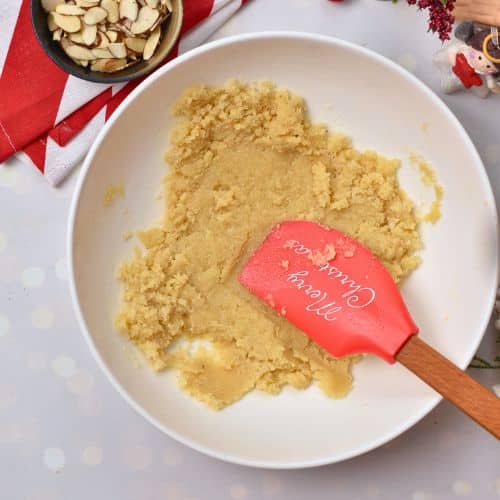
x: 332, y: 288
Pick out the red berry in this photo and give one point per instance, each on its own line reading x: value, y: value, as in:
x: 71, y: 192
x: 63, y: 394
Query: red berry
x: 440, y: 15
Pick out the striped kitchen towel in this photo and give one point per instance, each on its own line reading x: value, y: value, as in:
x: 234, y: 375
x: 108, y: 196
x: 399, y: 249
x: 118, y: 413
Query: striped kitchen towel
x: 49, y: 118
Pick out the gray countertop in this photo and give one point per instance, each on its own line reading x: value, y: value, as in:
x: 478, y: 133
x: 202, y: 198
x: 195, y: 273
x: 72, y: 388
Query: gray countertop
x: 66, y: 434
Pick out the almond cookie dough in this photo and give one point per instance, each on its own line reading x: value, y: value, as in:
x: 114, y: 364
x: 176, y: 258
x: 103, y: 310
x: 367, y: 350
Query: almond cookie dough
x: 243, y: 158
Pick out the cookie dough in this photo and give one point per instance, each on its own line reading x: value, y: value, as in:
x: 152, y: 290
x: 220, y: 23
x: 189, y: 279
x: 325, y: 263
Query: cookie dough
x: 243, y: 158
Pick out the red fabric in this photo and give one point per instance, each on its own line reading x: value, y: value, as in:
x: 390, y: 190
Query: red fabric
x: 36, y: 151
x: 194, y: 12
x: 466, y: 73
x: 30, y: 93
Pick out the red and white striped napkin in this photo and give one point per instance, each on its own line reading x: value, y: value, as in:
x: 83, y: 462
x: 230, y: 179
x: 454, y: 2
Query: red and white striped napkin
x: 49, y: 118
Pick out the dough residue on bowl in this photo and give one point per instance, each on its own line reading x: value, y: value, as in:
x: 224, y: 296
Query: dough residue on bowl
x: 429, y: 178
x: 243, y: 158
x: 112, y: 193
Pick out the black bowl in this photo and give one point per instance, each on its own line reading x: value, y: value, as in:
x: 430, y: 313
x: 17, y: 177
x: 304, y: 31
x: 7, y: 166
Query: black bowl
x: 171, y: 31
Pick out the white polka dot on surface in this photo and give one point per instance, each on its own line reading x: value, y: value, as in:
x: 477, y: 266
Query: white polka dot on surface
x: 461, y: 488
x: 4, y: 325
x: 33, y: 277
x: 492, y: 153
x: 408, y: 61
x: 54, y: 459
x: 64, y: 366
x: 496, y: 389
x: 238, y: 492
x: 3, y: 242
x: 8, y: 176
x: 81, y: 382
x: 92, y: 456
x: 421, y: 495
x: 61, y: 269
x: 172, y: 456
x: 271, y: 486
x: 138, y: 457
x: 36, y: 361
x: 42, y: 318
x: 8, y: 395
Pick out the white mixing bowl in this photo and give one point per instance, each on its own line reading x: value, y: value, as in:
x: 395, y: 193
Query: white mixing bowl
x: 450, y: 295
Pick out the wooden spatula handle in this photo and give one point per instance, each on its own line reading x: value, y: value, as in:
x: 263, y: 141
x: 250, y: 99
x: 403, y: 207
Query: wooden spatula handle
x: 456, y: 386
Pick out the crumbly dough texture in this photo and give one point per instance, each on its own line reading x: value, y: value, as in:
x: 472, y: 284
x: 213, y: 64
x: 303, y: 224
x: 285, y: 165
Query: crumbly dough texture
x: 429, y: 178
x: 243, y: 158
x: 112, y: 193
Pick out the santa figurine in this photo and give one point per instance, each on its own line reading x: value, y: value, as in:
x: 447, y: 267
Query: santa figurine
x: 471, y: 61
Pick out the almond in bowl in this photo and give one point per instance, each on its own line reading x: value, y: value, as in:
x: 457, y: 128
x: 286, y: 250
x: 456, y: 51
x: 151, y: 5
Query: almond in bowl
x: 108, y: 35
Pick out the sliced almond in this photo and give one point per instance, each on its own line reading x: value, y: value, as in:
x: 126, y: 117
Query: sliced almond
x: 112, y: 36
x: 77, y: 38
x: 70, y: 24
x: 95, y: 15
x: 129, y: 9
x: 107, y: 35
x: 111, y: 7
x: 127, y: 31
x: 145, y: 20
x: 102, y: 53
x: 135, y: 44
x: 158, y: 22
x: 89, y: 33
x: 108, y: 65
x: 87, y: 3
x: 51, y: 5
x: 57, y: 35
x: 118, y: 50
x: 79, y: 52
x: 69, y: 10
x: 65, y: 43
x: 121, y: 27
x: 151, y: 44
x: 51, y: 23
x: 102, y: 41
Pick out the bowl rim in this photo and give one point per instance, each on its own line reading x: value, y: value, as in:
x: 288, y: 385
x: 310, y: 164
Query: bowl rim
x: 96, y: 76
x: 287, y: 35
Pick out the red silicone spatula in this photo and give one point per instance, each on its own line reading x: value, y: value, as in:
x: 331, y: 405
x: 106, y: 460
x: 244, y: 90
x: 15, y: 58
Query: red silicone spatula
x: 337, y: 292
